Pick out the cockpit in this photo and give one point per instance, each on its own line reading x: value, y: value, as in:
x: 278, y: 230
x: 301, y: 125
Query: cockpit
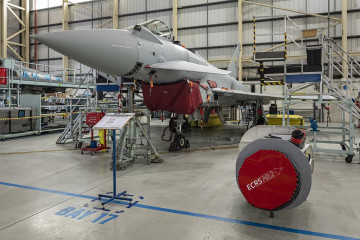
x: 157, y: 27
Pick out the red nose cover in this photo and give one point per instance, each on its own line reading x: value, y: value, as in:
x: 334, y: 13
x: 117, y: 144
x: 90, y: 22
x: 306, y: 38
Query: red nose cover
x: 181, y: 97
x: 268, y: 179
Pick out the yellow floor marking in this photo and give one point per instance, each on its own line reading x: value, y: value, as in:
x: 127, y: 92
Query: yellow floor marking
x: 202, y: 149
x: 73, y: 149
x: 58, y: 150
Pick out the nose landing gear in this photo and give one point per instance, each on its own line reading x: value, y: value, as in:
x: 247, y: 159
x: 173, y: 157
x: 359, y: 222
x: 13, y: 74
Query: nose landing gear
x: 179, y: 143
x: 176, y: 126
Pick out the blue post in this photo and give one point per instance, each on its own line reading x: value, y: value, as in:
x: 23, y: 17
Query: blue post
x: 123, y: 195
x: 114, y: 161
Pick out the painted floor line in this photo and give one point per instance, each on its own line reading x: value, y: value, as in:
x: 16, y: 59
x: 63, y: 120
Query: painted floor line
x: 202, y: 149
x: 193, y: 214
x: 41, y: 151
x: 165, y: 152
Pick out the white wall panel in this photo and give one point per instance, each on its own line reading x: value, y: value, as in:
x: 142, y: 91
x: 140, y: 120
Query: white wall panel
x: 335, y: 5
x: 192, y: 17
x: 249, y: 10
x: 261, y: 28
x: 54, y: 63
x: 55, y: 3
x: 224, y: 14
x: 353, y: 4
x: 42, y: 51
x: 166, y: 17
x: 354, y: 26
x: 54, y: 54
x: 193, y: 38
x: 202, y: 53
x: 55, y: 15
x: 77, y: 13
x: 79, y: 68
x: 83, y: 25
x: 42, y: 4
x: 158, y: 4
x: 210, y: 1
x: 190, y: 2
x: 223, y: 35
x: 125, y: 22
x: 98, y: 6
x: 354, y: 45
x: 247, y: 51
x: 132, y: 6
x: 41, y: 18
x: 221, y: 53
x: 55, y: 28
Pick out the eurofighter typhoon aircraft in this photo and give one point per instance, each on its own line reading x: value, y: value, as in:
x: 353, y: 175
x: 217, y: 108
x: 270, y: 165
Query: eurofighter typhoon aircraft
x: 272, y: 174
x: 174, y: 79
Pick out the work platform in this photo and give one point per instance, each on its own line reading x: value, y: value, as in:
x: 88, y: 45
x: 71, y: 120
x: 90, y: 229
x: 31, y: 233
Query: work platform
x: 14, y: 75
x: 22, y: 73
x: 323, y: 61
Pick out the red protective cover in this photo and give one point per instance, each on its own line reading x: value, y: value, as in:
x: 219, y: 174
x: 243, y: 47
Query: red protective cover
x: 181, y: 97
x: 3, y: 76
x: 267, y: 179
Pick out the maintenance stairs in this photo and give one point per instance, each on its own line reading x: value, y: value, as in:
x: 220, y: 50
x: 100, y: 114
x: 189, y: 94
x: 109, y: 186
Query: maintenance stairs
x: 324, y: 61
x: 331, y: 70
x: 332, y: 52
x: 72, y: 129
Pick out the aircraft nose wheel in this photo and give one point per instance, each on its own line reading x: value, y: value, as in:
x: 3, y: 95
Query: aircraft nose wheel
x: 179, y: 143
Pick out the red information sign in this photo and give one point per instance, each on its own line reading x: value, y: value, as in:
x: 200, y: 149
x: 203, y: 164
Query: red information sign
x: 3, y: 76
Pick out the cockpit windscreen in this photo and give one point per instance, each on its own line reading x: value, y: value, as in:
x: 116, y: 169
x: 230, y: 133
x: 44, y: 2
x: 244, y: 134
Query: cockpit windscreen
x: 157, y: 27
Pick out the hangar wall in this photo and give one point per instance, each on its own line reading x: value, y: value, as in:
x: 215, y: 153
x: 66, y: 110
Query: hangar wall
x: 208, y: 26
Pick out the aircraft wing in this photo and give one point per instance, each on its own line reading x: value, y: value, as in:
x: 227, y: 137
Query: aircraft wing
x: 188, y: 66
x: 242, y: 95
x: 314, y: 97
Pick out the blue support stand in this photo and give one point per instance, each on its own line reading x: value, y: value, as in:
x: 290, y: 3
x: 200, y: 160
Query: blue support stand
x: 121, y: 196
x: 313, y: 125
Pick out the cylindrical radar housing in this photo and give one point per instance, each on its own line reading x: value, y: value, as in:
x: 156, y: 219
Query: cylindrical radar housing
x: 273, y: 174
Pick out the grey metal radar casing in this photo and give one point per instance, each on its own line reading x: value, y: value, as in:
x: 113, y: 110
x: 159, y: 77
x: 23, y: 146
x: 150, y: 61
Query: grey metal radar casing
x: 115, y: 52
x: 294, y: 154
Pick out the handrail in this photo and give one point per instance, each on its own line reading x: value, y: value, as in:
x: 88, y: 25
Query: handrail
x: 337, y: 54
x: 81, y: 83
x: 293, y: 22
x: 347, y: 54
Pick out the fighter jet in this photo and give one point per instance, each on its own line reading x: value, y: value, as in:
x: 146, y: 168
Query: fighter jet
x: 173, y: 78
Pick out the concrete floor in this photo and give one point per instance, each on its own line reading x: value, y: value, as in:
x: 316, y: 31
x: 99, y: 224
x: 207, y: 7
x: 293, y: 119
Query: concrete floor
x: 47, y: 192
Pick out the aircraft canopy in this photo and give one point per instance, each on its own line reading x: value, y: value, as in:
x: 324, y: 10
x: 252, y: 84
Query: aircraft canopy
x: 157, y: 27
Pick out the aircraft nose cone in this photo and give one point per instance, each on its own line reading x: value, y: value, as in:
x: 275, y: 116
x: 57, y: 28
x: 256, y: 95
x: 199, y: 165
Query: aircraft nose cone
x: 111, y: 51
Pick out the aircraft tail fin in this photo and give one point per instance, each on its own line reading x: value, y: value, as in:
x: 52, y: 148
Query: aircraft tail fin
x: 234, y: 63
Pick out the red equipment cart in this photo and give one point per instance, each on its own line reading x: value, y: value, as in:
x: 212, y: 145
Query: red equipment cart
x: 92, y: 118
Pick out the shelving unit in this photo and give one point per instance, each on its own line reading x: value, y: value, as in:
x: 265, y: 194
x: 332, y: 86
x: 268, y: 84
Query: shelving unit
x: 5, y: 96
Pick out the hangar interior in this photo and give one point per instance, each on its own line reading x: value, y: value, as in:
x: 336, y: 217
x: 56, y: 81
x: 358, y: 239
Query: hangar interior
x: 271, y: 91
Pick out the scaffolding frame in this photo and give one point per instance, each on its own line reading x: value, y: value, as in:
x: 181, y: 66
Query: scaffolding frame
x: 6, y: 41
